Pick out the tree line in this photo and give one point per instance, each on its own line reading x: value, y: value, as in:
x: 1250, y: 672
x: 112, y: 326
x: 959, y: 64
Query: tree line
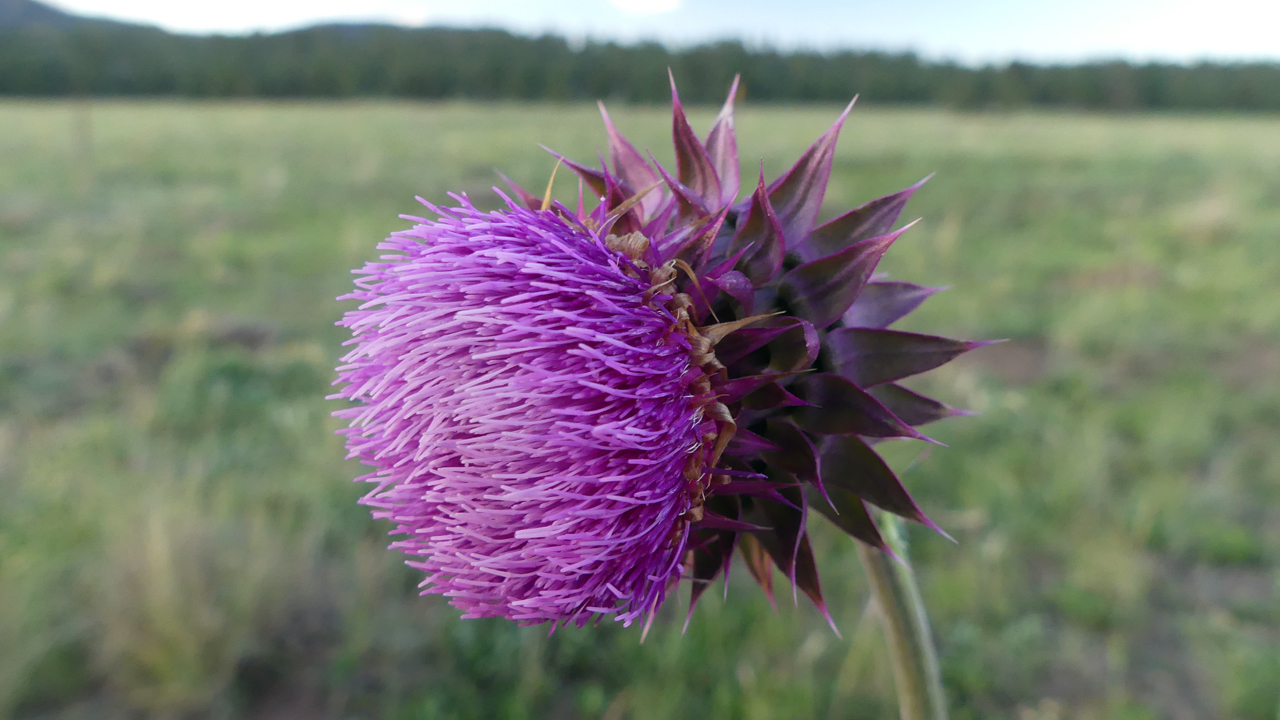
x: 435, y: 63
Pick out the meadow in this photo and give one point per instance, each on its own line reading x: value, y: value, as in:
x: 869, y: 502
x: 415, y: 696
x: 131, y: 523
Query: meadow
x: 179, y: 534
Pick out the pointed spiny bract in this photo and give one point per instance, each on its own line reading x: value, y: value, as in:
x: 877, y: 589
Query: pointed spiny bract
x: 568, y: 411
x: 693, y: 164
x: 631, y: 166
x: 797, y: 195
x: 722, y: 148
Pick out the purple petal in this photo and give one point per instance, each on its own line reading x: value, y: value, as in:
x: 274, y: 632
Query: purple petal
x: 595, y: 179
x: 772, y: 397
x: 913, y: 408
x: 806, y: 577
x: 739, y: 287
x: 796, y: 453
x: 796, y: 349
x: 759, y: 564
x: 741, y: 343
x: 747, y: 443
x: 528, y: 199
x: 630, y: 165
x: 692, y: 207
x: 656, y: 224
x: 707, y: 564
x: 787, y: 522
x: 616, y: 194
x: 722, y: 148
x: 691, y: 243
x: 862, y: 223
x: 870, y: 356
x: 883, y: 303
x: 761, y: 235
x: 693, y: 166
x: 734, y: 390
x: 847, y: 512
x: 720, y: 522
x: 727, y: 263
x: 842, y: 408
x: 848, y: 463
x: 797, y: 195
x: 822, y: 290
x: 759, y: 488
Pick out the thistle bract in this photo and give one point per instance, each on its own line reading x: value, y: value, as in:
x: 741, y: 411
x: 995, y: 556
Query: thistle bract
x: 568, y: 410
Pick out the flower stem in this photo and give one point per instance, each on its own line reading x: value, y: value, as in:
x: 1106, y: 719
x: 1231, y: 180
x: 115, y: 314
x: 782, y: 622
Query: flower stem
x: 906, y: 626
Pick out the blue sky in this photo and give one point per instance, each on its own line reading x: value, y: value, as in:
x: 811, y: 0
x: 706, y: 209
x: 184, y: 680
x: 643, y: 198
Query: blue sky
x: 972, y: 31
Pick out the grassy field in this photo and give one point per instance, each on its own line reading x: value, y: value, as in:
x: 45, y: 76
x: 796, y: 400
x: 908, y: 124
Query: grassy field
x: 178, y: 531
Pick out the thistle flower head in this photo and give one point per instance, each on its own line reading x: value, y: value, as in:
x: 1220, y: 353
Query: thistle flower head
x: 568, y: 411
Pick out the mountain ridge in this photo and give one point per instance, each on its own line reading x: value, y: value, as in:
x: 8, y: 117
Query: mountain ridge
x: 27, y: 14
x: 47, y: 52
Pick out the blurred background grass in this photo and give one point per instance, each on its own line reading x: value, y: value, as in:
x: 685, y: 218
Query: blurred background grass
x: 179, y: 536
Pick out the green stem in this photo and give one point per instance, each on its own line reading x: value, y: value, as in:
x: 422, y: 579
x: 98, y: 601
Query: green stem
x: 906, y: 626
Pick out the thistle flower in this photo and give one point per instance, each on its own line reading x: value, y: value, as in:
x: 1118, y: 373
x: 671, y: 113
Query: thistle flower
x: 567, y: 411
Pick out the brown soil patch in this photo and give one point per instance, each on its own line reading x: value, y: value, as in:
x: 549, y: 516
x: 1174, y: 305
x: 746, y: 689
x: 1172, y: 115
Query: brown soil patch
x: 1255, y: 363
x: 1115, y: 277
x: 1016, y: 362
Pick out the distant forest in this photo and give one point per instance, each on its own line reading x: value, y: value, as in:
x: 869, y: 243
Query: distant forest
x: 112, y: 59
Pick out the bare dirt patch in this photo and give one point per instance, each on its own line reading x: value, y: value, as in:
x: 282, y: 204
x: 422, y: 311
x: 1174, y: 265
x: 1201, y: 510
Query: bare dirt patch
x: 1114, y: 277
x: 1016, y: 362
x: 1256, y: 362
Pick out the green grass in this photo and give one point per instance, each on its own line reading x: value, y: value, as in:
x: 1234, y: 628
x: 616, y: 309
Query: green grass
x: 179, y: 535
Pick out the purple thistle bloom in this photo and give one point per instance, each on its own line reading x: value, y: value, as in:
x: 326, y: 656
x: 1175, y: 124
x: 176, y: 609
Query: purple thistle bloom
x: 569, y: 411
x: 531, y: 406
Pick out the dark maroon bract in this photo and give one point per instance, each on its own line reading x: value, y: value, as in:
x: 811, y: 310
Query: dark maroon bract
x: 567, y: 411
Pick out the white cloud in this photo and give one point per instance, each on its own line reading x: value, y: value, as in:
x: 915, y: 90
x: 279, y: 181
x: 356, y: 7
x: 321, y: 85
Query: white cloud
x: 249, y: 15
x: 971, y: 31
x: 645, y: 7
